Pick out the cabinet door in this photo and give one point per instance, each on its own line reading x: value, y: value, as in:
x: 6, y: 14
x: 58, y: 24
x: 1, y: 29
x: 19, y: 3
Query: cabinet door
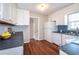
x: 26, y: 18
x: 12, y: 12
x: 0, y: 10
x: 5, y: 11
x: 22, y: 17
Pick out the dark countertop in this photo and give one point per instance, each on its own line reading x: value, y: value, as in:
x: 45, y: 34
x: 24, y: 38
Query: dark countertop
x: 15, y: 41
x: 71, y: 48
x: 65, y: 33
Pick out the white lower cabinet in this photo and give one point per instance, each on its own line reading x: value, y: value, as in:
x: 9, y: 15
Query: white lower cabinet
x: 66, y: 39
x: 56, y: 38
x: 12, y: 51
x: 61, y: 39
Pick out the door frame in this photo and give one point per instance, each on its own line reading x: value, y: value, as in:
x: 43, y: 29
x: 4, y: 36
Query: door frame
x: 38, y: 18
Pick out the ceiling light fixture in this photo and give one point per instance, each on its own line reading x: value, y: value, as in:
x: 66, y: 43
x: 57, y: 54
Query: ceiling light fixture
x: 42, y: 7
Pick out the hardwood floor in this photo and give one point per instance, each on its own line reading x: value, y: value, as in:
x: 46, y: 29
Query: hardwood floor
x: 42, y: 47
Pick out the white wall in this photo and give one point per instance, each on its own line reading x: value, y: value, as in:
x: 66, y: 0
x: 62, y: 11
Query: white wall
x: 43, y: 19
x: 59, y: 16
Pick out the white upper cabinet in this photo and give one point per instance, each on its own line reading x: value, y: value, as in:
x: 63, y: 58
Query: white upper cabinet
x: 0, y: 10
x: 4, y: 9
x: 8, y: 12
x: 12, y: 12
x: 23, y: 17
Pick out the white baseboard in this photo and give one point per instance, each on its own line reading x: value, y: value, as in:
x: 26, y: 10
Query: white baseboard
x: 27, y: 42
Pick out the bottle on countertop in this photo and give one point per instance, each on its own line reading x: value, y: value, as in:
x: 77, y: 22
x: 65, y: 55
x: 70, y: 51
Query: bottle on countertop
x: 10, y: 30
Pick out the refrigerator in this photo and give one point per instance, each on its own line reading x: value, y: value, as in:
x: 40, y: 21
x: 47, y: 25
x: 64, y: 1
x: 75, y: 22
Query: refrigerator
x: 49, y: 28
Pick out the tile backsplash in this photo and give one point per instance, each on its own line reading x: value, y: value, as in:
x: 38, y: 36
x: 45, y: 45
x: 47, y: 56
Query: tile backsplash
x: 19, y: 28
x: 4, y: 28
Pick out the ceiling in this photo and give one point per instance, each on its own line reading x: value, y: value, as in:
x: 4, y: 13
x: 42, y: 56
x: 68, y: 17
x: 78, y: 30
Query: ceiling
x: 52, y: 7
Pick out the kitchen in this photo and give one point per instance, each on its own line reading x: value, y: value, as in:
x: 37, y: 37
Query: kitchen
x: 52, y: 26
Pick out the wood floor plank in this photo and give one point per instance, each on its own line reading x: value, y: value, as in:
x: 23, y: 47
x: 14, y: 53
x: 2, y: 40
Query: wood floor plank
x: 42, y: 47
x: 47, y: 49
x: 51, y: 45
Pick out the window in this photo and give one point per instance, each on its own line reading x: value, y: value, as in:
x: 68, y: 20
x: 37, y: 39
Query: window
x: 73, y: 21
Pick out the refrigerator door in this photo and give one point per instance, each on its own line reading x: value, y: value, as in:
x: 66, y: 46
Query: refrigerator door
x: 48, y: 35
x: 49, y: 28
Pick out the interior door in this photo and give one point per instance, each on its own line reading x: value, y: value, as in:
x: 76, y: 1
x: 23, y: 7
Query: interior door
x: 34, y: 28
x: 35, y: 32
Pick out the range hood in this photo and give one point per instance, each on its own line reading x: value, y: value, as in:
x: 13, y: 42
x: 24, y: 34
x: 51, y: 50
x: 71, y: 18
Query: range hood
x: 6, y: 22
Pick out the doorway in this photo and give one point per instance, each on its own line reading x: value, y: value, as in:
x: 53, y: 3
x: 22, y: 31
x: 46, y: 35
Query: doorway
x: 34, y: 28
